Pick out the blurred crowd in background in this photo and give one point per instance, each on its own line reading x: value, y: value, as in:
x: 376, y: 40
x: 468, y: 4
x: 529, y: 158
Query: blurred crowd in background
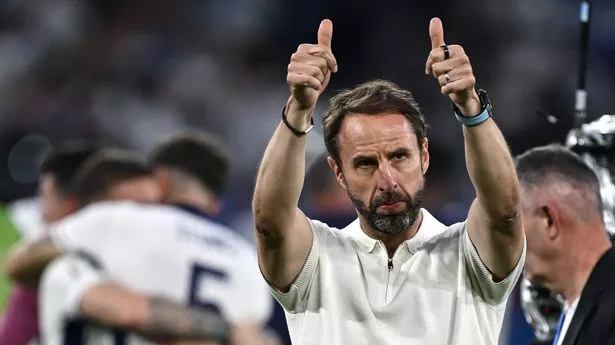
x: 130, y: 72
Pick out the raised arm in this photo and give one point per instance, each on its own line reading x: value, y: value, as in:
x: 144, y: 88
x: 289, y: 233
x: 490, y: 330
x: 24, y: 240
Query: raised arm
x: 284, y: 237
x: 494, y: 221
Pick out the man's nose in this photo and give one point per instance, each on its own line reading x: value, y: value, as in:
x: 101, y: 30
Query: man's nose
x: 386, y: 181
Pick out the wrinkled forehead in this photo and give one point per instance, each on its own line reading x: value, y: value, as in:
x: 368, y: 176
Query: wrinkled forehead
x: 360, y: 132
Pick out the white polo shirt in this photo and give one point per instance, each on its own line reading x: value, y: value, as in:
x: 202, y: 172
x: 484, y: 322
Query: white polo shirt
x: 435, y: 291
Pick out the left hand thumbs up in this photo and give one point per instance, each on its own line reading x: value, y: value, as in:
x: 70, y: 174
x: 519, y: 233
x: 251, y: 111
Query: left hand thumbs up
x: 451, y: 67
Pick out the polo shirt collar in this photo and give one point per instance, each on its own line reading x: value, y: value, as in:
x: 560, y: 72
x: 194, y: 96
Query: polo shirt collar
x: 429, y: 228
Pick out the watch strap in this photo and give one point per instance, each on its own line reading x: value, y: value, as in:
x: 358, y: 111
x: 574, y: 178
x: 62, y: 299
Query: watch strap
x: 484, y: 115
x: 474, y: 120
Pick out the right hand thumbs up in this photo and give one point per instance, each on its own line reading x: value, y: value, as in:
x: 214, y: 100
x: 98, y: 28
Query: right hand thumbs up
x: 325, y: 33
x: 310, y: 68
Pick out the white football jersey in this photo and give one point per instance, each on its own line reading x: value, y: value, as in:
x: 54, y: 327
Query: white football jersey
x: 171, y: 251
x: 62, y: 286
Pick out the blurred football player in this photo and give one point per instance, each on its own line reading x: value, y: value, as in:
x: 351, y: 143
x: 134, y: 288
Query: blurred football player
x: 73, y: 287
x: 115, y: 175
x: 57, y: 200
x: 194, y: 260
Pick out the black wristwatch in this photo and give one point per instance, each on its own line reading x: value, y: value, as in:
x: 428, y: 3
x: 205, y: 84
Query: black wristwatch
x: 486, y: 111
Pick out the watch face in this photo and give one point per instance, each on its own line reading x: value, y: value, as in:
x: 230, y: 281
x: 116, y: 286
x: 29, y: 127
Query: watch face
x: 484, y: 98
x: 485, y: 102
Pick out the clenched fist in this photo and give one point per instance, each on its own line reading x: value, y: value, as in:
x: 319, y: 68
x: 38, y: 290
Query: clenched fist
x: 454, y: 73
x: 310, y: 68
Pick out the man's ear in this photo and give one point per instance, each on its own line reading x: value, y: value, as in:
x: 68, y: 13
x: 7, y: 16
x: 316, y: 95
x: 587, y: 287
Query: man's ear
x: 337, y: 170
x: 552, y: 214
x: 425, y: 155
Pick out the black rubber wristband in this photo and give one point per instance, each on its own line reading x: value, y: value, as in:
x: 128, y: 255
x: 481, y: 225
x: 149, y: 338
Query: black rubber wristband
x: 293, y: 129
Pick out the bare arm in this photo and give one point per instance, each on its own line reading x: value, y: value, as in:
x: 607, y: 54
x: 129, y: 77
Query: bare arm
x: 156, y: 318
x: 251, y: 334
x: 494, y: 220
x: 26, y: 261
x: 283, y: 232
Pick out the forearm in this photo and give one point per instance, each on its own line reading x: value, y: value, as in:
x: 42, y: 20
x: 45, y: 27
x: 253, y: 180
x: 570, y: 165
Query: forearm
x: 168, y: 320
x: 492, y: 171
x: 155, y: 318
x: 281, y: 174
x: 27, y: 260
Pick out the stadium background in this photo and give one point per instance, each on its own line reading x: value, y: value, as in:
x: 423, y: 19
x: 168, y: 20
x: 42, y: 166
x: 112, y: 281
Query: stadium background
x: 129, y: 72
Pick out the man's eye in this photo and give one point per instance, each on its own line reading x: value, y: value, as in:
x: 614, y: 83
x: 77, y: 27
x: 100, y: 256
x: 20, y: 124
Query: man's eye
x: 398, y: 156
x: 365, y: 163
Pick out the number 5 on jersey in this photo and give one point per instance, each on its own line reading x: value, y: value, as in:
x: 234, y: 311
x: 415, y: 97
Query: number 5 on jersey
x: 198, y: 277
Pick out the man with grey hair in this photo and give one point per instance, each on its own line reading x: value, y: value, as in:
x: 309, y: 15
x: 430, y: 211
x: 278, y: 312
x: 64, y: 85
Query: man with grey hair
x: 568, y: 248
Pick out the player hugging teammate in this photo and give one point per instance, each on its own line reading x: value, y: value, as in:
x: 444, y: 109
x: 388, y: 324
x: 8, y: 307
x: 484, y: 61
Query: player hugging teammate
x: 112, y: 218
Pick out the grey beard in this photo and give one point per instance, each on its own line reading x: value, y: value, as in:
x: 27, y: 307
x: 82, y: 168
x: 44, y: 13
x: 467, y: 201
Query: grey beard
x: 390, y: 224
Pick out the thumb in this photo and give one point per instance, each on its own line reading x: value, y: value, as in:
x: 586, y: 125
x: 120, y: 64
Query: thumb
x: 325, y: 33
x: 436, y: 33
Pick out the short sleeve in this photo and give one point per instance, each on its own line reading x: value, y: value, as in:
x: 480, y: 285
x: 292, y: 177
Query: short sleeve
x: 493, y: 292
x: 87, y: 230
x: 66, y: 280
x: 294, y: 300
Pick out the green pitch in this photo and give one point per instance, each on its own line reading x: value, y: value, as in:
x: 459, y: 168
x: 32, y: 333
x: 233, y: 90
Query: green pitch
x: 8, y: 236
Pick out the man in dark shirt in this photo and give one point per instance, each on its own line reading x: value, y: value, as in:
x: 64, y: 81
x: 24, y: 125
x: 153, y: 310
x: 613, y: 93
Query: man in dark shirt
x: 568, y: 248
